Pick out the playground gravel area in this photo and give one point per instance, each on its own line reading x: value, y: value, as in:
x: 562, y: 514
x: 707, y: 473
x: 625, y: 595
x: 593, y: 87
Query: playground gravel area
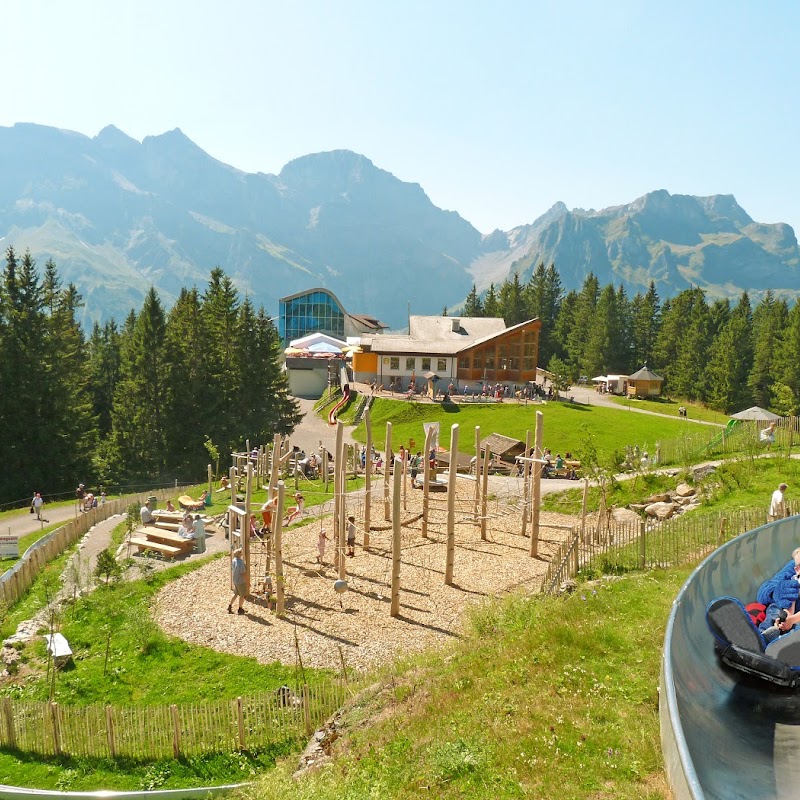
x: 324, y: 629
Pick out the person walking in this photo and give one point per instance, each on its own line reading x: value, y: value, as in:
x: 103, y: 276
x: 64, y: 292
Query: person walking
x: 238, y: 575
x: 38, y: 502
x: 777, y: 506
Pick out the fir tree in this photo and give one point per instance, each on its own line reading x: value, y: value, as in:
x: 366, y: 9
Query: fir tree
x: 472, y: 305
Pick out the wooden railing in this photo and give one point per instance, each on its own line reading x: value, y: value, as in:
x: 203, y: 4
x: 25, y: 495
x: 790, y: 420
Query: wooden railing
x: 640, y: 545
x: 18, y: 579
x: 168, y: 731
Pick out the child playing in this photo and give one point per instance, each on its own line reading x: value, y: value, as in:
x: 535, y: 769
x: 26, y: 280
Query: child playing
x: 321, y: 546
x: 351, y: 536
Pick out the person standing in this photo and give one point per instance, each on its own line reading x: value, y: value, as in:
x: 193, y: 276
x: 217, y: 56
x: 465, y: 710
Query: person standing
x: 321, y: 541
x: 238, y: 578
x: 351, y: 536
x: 777, y: 507
x: 38, y: 502
x: 79, y: 493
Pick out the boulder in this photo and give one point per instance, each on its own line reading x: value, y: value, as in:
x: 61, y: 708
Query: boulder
x: 684, y: 490
x: 660, y: 510
x: 658, y: 498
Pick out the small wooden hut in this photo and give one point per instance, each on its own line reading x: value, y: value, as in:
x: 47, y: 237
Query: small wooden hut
x: 644, y: 383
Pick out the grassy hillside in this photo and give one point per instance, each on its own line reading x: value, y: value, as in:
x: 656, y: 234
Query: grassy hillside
x: 566, y: 425
x: 543, y: 697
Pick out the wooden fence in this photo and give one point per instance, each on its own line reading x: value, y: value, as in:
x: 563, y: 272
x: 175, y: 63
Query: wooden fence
x: 705, y: 442
x: 168, y: 731
x: 18, y: 579
x: 645, y: 545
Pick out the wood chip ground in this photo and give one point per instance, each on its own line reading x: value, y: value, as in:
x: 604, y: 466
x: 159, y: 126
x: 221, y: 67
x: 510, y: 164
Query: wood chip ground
x: 326, y: 629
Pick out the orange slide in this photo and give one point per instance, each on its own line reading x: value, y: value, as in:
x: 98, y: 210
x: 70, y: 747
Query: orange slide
x: 335, y: 410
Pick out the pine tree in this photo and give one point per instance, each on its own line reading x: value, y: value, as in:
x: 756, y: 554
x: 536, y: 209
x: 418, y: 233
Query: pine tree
x: 512, y: 305
x: 769, y: 323
x: 645, y: 319
x: 140, y: 435
x: 542, y: 297
x: 578, y: 334
x: 472, y: 305
x: 730, y: 360
x: 491, y: 306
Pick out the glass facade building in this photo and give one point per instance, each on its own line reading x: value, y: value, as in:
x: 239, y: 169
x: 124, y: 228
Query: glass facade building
x: 310, y: 312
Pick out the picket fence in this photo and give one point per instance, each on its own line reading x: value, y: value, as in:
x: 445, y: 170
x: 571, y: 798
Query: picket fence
x: 18, y: 579
x: 704, y: 442
x: 621, y: 547
x: 168, y: 730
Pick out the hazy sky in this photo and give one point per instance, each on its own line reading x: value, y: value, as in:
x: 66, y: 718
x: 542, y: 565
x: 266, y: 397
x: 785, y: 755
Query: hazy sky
x: 497, y: 110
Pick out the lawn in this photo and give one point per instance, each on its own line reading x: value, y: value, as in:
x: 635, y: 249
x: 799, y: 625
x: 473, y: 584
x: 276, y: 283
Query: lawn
x: 566, y: 425
x: 694, y: 411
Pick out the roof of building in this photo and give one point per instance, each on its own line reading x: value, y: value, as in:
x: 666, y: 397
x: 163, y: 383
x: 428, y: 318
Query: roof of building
x: 445, y: 336
x: 645, y: 374
x: 501, y: 445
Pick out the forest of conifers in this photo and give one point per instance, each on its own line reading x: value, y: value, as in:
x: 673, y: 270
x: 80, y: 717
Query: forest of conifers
x: 727, y: 355
x: 136, y: 405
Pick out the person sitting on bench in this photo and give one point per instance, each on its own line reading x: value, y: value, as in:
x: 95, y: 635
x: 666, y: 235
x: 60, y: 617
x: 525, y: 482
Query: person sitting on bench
x: 146, y: 514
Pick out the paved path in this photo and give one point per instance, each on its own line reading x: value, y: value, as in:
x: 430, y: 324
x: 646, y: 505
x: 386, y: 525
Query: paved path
x: 313, y: 429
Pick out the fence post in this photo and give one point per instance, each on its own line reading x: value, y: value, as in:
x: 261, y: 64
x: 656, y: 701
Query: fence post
x: 240, y: 719
x: 56, y: 728
x: 307, y: 707
x: 176, y: 731
x: 112, y: 745
x: 8, y: 713
x: 642, y: 544
x: 723, y: 527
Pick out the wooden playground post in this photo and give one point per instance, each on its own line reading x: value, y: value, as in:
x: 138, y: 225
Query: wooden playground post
x: 451, y: 506
x: 278, y: 526
x: 210, y: 481
x: 405, y: 475
x: 526, y: 495
x: 386, y: 467
x: 395, y: 606
x: 342, y: 521
x: 232, y: 479
x: 337, y: 495
x: 537, y: 485
x: 274, y: 462
x: 584, y: 505
x: 426, y: 477
x: 477, y: 474
x: 484, y: 490
x: 367, y: 479
x: 248, y: 492
x: 325, y: 467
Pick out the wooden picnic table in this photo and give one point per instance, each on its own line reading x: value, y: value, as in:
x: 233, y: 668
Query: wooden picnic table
x: 168, y: 543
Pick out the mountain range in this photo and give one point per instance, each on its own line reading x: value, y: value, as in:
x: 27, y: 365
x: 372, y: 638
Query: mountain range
x: 118, y: 215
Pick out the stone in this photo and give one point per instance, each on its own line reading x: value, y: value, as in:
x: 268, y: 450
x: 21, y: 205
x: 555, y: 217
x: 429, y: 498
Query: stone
x: 684, y: 490
x: 660, y: 510
x: 658, y: 498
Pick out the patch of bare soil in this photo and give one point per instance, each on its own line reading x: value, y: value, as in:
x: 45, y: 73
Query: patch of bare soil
x: 325, y: 629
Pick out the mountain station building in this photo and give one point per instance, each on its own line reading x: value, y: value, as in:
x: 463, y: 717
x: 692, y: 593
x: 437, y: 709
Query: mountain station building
x: 319, y: 311
x: 464, y: 351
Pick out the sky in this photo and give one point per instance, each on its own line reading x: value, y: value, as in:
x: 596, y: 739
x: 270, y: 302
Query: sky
x: 498, y: 110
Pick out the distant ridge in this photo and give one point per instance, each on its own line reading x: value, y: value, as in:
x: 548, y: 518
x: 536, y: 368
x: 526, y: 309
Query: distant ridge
x: 118, y: 215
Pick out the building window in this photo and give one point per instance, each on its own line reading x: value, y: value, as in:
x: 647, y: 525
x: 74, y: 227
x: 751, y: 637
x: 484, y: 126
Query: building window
x: 441, y: 365
x: 502, y: 356
x: 463, y: 362
x: 309, y: 313
x: 411, y: 364
x: 490, y: 359
x: 477, y: 360
x: 394, y: 362
x: 426, y: 365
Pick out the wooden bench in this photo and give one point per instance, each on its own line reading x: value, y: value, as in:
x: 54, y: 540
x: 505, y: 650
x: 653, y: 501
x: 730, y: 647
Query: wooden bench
x: 166, y: 550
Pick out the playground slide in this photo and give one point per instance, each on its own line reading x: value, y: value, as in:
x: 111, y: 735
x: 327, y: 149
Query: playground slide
x: 726, y: 431
x: 335, y: 410
x: 726, y: 735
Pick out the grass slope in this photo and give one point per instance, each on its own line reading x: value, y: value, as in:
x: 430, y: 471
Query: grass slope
x: 544, y: 697
x: 566, y: 425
